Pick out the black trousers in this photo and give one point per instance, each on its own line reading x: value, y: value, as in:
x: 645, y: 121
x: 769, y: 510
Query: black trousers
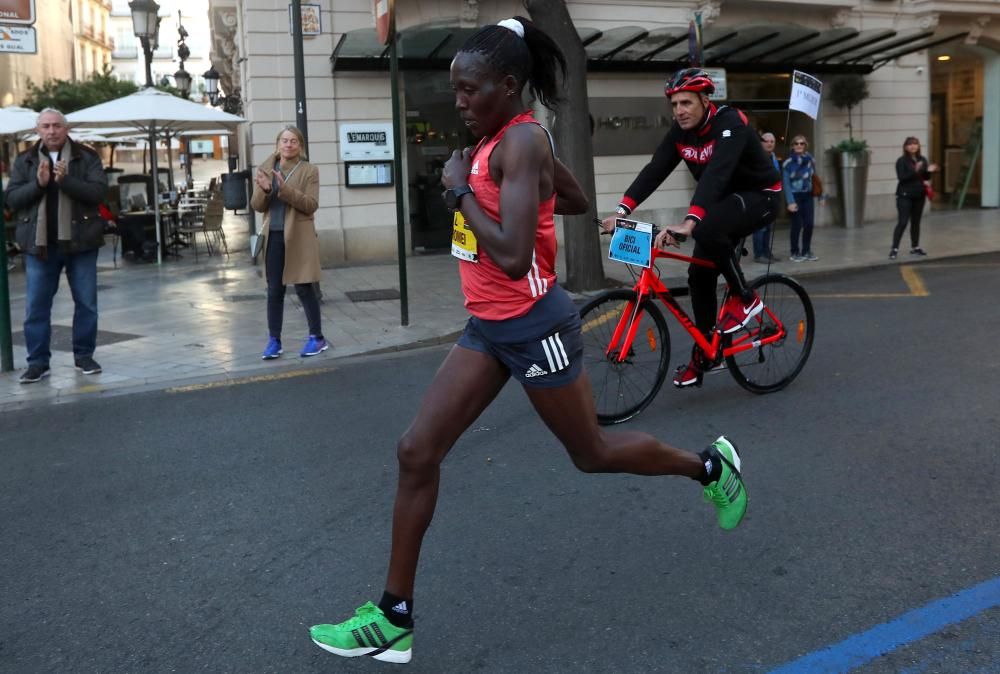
x: 909, y: 209
x: 725, y: 223
x: 274, y: 266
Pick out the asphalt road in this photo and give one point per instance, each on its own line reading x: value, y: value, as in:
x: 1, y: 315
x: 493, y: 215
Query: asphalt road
x: 205, y: 530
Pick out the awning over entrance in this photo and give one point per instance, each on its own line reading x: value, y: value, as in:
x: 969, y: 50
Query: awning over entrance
x: 749, y: 48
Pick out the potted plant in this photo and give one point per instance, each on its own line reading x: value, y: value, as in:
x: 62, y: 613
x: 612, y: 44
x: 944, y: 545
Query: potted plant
x: 850, y: 156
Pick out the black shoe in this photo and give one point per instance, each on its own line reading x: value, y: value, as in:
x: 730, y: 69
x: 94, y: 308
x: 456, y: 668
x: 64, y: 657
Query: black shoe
x: 88, y: 365
x: 893, y: 253
x: 917, y: 251
x: 34, y: 373
x: 774, y: 258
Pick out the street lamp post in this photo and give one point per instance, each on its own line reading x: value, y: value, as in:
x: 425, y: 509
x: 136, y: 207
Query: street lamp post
x: 146, y: 26
x: 182, y: 79
x: 231, y: 104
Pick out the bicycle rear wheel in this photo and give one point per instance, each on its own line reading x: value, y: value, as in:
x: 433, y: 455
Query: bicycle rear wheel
x: 772, y: 367
x: 622, y: 389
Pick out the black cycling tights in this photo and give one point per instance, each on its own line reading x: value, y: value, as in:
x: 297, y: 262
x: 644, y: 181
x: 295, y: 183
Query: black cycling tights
x: 716, y: 236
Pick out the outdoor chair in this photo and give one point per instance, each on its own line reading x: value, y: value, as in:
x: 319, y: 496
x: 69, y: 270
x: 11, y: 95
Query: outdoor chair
x: 191, y: 225
x: 207, y: 221
x: 215, y: 235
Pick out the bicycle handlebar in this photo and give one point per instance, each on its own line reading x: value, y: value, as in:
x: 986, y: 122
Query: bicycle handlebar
x: 677, y: 236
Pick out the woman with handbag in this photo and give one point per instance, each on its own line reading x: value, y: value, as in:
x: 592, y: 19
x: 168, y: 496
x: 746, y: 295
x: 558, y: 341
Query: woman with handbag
x: 286, y: 191
x: 797, y: 177
x: 914, y: 174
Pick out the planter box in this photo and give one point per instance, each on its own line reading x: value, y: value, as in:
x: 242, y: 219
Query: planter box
x: 852, y: 183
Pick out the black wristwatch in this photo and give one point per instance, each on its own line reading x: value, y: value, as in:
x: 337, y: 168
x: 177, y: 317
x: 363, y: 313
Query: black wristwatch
x: 453, y: 197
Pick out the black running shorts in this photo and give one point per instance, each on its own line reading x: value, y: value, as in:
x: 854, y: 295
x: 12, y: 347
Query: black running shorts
x: 542, y: 349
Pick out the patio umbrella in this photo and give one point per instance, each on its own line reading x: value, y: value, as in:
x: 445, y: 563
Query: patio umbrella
x: 153, y: 111
x: 15, y: 120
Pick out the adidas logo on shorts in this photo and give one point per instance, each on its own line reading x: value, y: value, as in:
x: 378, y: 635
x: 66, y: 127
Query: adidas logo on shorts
x: 534, y: 371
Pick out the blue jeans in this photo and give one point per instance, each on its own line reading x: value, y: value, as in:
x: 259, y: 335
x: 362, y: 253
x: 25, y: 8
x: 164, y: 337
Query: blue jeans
x: 43, y: 282
x: 802, y: 222
x: 762, y: 241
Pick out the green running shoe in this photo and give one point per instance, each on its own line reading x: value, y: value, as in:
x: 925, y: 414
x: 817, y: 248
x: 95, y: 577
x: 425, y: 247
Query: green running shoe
x: 370, y: 633
x: 728, y: 492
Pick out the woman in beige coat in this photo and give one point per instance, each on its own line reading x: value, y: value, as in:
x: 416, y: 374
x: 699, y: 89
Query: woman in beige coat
x: 286, y: 191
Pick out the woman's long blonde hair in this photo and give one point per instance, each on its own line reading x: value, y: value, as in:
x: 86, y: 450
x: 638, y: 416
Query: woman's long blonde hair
x: 298, y: 134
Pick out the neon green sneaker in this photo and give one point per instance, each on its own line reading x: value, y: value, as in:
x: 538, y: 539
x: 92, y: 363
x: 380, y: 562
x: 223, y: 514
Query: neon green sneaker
x: 370, y: 633
x: 728, y: 493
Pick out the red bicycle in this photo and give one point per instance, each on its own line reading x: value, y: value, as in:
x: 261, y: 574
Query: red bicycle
x: 627, y: 345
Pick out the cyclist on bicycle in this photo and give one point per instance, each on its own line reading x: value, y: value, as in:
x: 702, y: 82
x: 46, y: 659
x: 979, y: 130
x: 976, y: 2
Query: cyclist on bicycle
x: 738, y: 192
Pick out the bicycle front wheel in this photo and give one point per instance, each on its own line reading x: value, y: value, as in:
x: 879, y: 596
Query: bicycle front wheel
x: 623, y: 387
x: 771, y: 367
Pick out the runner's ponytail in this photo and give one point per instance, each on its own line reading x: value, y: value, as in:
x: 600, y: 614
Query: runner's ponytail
x: 534, y: 58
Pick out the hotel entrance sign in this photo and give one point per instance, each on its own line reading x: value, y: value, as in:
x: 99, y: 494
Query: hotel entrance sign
x: 17, y: 11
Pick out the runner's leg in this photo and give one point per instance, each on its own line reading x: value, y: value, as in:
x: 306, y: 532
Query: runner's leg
x: 569, y: 413
x: 464, y: 386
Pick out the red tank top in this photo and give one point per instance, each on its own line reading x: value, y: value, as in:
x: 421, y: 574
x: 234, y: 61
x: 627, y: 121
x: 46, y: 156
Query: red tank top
x: 489, y: 293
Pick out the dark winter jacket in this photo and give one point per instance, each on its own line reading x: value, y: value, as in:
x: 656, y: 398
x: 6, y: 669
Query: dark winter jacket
x: 911, y: 181
x: 723, y: 154
x: 86, y: 185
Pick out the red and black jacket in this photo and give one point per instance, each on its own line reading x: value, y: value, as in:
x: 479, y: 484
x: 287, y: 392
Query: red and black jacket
x: 723, y: 154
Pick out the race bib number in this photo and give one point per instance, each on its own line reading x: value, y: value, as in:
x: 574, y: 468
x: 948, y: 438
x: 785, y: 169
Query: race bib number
x: 632, y: 242
x: 463, y: 241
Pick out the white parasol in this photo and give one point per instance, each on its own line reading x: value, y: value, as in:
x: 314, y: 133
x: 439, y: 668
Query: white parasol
x: 153, y: 111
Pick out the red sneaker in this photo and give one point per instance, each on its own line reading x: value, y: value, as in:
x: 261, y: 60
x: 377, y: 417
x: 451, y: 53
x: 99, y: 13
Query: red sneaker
x: 736, y: 314
x: 688, y: 375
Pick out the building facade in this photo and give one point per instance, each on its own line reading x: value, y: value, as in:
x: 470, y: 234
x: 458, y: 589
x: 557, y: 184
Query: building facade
x: 128, y: 60
x: 932, y: 68
x: 93, y: 42
x: 55, y: 58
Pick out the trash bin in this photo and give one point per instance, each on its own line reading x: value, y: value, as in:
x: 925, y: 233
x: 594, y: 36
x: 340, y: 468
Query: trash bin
x: 234, y: 190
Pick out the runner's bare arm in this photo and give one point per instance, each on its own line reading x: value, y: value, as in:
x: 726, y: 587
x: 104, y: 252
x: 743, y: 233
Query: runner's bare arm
x: 522, y: 159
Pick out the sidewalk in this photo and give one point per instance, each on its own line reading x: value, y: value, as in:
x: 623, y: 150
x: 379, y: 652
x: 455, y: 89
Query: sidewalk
x: 185, y: 323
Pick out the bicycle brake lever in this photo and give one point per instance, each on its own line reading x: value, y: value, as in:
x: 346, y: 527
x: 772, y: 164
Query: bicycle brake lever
x: 677, y: 236
x: 599, y: 223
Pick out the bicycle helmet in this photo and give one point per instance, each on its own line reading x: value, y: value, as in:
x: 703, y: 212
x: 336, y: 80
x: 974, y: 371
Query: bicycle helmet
x: 689, y: 79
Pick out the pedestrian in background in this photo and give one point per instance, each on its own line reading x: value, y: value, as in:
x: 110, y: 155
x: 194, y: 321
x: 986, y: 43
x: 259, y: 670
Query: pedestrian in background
x: 55, y: 189
x: 797, y: 175
x: 913, y: 172
x: 763, y: 237
x: 286, y: 191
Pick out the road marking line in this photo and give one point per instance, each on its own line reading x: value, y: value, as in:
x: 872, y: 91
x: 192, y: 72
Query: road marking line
x: 246, y: 380
x: 599, y: 321
x: 913, y: 281
x: 864, y: 647
x: 910, y: 276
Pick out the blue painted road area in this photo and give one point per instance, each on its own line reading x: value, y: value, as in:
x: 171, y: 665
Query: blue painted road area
x: 909, y: 628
